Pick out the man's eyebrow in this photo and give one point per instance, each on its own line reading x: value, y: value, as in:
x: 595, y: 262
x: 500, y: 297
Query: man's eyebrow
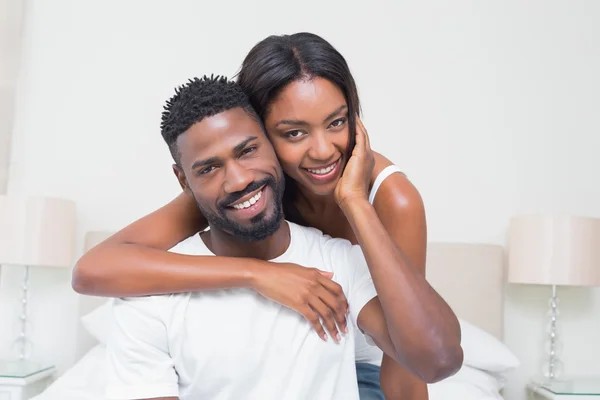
x: 304, y: 123
x: 212, y: 160
x: 239, y: 147
x: 202, y: 163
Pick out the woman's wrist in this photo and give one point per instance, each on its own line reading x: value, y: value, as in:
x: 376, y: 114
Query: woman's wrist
x: 254, y: 270
x: 357, y: 209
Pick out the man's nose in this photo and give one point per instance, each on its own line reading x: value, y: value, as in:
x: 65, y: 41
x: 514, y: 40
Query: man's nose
x: 237, y: 177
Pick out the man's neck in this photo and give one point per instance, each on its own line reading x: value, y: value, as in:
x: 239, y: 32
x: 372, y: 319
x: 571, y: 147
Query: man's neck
x: 224, y: 244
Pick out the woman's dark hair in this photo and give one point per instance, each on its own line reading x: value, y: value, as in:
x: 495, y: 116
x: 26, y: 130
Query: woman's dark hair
x: 277, y: 61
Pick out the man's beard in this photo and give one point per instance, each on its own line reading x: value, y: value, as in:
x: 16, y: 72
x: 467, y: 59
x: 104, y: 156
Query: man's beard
x: 262, y: 225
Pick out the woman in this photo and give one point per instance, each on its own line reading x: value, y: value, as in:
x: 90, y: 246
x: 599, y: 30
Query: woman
x: 304, y: 92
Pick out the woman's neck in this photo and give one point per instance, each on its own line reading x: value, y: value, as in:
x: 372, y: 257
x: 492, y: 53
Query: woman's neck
x: 323, y: 213
x: 315, y: 204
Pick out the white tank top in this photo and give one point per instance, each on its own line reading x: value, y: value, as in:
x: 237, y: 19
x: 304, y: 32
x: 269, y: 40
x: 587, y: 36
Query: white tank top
x: 365, y: 350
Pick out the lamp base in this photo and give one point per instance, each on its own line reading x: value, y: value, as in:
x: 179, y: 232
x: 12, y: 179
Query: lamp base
x: 22, y: 345
x: 553, y: 367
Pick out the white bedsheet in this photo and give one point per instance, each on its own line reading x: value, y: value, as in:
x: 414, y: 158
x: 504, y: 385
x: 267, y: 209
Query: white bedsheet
x: 86, y: 379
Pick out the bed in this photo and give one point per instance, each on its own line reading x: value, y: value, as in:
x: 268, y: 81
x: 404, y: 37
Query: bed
x: 469, y: 276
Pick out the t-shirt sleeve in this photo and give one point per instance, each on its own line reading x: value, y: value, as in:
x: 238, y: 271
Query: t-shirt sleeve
x: 138, y: 360
x: 349, y: 262
x: 362, y: 290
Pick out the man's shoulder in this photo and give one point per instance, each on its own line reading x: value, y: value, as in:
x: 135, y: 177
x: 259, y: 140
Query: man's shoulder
x: 316, y: 238
x: 193, y: 245
x: 155, y: 306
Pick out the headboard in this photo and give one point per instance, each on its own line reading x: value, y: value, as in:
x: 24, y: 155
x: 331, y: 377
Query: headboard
x: 470, y: 277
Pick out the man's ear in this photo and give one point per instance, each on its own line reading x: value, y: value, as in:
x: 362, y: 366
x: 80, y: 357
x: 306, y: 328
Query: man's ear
x: 181, y: 178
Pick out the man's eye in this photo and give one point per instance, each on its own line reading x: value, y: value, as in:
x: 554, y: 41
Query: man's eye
x: 206, y: 170
x: 248, y: 150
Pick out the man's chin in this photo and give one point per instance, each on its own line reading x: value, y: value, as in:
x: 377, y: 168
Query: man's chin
x: 251, y: 225
x: 259, y: 228
x: 257, y: 235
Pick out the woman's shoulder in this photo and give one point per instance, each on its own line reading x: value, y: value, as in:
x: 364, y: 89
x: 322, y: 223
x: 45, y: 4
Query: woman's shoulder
x: 382, y: 163
x: 391, y: 187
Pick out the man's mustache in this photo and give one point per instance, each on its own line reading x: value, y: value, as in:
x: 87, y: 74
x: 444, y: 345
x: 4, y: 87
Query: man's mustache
x: 234, y: 197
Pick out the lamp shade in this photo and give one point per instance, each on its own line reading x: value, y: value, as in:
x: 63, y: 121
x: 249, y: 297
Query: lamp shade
x: 37, y: 231
x: 554, y: 250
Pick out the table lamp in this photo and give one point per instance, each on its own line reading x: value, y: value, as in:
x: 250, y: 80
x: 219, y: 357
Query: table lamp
x: 39, y: 232
x: 554, y: 251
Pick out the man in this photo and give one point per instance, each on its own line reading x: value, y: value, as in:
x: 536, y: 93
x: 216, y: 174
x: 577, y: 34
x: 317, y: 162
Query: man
x: 235, y: 343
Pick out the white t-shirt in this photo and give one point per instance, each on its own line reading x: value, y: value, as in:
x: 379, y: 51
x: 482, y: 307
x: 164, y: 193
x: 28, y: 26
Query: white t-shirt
x: 235, y: 344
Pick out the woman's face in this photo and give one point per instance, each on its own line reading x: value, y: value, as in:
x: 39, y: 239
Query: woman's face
x: 308, y: 126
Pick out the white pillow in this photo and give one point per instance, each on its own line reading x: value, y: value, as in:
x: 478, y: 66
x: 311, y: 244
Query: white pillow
x: 467, y: 384
x: 485, y: 352
x: 97, y: 322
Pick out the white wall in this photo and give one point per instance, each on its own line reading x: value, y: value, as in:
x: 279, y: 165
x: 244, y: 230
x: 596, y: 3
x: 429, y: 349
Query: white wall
x: 11, y: 18
x: 490, y: 107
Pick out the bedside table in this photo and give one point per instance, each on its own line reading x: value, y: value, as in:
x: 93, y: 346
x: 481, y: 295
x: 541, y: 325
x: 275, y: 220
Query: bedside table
x: 565, y: 389
x: 22, y: 380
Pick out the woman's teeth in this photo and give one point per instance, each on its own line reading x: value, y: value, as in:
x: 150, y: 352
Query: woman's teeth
x: 249, y: 202
x: 322, y: 171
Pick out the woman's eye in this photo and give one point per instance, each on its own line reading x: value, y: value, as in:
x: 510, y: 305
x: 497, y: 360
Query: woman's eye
x: 338, y: 122
x: 294, y: 134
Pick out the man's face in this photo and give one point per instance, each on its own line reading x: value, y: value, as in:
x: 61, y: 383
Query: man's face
x: 229, y: 166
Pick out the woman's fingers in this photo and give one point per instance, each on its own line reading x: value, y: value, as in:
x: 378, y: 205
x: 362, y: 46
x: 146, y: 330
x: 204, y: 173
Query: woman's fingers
x: 313, y: 319
x: 337, y: 306
x: 362, y: 132
x: 326, y: 316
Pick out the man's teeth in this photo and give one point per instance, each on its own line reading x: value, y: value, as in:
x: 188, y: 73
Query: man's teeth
x: 249, y: 202
x: 322, y: 171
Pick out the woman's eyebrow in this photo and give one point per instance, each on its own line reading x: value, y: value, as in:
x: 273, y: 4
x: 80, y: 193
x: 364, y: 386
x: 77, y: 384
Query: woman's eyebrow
x: 304, y: 123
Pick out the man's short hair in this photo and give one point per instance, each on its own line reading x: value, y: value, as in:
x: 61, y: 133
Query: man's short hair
x: 197, y: 99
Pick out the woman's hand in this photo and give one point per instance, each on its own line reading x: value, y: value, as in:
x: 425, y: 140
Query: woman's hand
x: 355, y: 181
x: 308, y: 291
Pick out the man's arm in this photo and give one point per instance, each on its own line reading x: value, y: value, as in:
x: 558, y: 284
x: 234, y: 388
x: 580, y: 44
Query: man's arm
x: 138, y: 360
x: 423, y: 336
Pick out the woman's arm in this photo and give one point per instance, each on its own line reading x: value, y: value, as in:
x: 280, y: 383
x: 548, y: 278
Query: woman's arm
x: 402, y: 213
x: 409, y: 320
x: 134, y: 262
